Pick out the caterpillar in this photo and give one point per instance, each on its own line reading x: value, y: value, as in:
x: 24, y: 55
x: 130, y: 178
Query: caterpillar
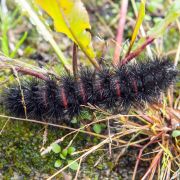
x: 121, y: 88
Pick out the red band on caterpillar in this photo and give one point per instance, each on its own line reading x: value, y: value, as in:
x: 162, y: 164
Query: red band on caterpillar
x: 82, y: 92
x: 64, y: 98
x: 118, y: 88
x: 135, y: 86
x: 44, y: 95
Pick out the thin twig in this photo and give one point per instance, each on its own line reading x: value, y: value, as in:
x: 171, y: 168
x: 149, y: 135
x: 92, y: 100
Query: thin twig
x: 77, y: 172
x: 73, y: 129
x: 110, y: 143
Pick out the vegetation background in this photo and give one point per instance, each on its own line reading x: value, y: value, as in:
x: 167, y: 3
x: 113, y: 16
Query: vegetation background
x: 141, y: 144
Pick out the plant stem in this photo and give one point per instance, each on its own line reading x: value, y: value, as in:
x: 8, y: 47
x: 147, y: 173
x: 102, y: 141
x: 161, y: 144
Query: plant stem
x: 135, y: 53
x: 32, y: 73
x: 120, y: 31
x: 74, y: 59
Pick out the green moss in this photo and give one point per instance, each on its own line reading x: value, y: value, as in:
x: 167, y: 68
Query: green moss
x: 20, y: 145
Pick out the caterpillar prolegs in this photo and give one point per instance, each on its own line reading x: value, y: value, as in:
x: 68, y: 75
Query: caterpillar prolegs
x: 120, y: 87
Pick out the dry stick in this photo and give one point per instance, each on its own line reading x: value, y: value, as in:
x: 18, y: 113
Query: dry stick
x: 120, y: 32
x: 77, y: 172
x: 135, y: 53
x: 141, y: 151
x: 109, y: 134
x: 119, y: 146
x: 74, y: 59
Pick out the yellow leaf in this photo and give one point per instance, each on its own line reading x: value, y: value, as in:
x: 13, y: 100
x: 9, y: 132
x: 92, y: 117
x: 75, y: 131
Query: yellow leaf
x: 139, y: 21
x: 71, y: 18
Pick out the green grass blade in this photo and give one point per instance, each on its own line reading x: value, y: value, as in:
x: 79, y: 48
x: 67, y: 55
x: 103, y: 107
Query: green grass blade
x: 18, y: 45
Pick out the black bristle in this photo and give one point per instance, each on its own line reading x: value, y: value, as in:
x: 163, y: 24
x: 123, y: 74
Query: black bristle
x: 122, y: 87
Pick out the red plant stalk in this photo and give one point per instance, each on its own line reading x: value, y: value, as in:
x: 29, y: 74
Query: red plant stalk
x: 153, y: 164
x: 5, y: 63
x: 74, y: 60
x: 31, y: 72
x: 147, y: 118
x: 141, y: 151
x: 120, y: 31
x: 135, y: 53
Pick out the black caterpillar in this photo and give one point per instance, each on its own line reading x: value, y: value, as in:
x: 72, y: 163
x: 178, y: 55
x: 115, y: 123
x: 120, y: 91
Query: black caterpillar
x: 111, y: 88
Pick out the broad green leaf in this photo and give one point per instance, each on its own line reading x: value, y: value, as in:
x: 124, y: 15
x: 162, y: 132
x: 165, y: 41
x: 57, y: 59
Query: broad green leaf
x: 176, y: 133
x: 62, y: 157
x: 74, y: 165
x: 56, y: 148
x: 71, y: 18
x: 74, y: 120
x: 71, y: 150
x: 58, y: 163
x: 139, y: 21
x: 85, y: 115
x: 172, y: 14
x: 97, y: 128
x: 64, y: 152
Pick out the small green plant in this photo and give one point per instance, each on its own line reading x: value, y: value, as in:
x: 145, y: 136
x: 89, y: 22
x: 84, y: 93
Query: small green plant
x: 65, y: 156
x: 98, y: 128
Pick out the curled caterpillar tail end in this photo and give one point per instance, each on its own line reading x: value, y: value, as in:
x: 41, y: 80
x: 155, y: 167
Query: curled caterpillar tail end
x: 122, y: 87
